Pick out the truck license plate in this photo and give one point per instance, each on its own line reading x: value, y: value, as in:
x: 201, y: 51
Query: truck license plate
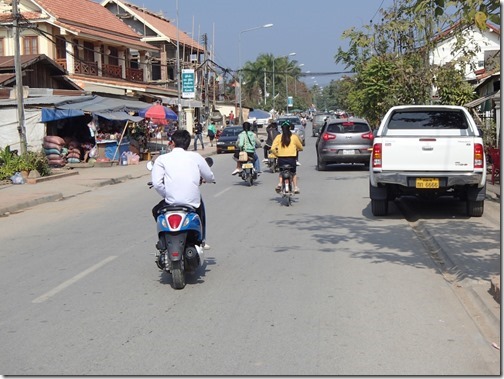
x: 427, y: 183
x: 247, y: 165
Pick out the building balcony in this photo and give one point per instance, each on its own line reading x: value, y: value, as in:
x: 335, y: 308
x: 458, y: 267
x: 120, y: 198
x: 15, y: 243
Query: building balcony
x: 108, y: 70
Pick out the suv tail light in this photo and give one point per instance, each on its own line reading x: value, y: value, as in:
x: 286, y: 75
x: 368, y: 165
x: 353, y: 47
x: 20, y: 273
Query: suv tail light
x: 478, y: 155
x: 328, y: 136
x: 368, y: 135
x: 377, y: 155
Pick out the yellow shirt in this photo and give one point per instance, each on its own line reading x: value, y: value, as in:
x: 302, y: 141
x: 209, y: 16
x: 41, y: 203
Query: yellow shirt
x: 287, y: 151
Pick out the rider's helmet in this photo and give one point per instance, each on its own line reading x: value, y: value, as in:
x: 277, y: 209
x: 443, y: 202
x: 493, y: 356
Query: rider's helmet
x: 287, y: 125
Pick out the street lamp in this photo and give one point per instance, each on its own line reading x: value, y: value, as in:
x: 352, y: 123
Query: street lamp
x: 239, y: 63
x: 283, y: 56
x: 295, y: 81
x: 286, y: 88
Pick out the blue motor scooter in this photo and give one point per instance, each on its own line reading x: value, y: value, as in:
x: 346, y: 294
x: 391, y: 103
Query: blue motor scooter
x: 180, y: 234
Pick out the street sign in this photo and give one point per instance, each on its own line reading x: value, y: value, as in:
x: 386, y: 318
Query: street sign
x: 188, y: 84
x: 290, y: 101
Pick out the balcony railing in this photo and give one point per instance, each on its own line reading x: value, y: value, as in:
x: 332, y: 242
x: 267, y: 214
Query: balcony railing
x: 86, y: 68
x: 62, y: 62
x: 134, y: 74
x: 112, y: 71
x: 109, y: 71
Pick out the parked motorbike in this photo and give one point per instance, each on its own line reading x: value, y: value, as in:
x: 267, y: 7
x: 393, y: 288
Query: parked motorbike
x: 248, y: 173
x: 180, y: 234
x: 287, y: 189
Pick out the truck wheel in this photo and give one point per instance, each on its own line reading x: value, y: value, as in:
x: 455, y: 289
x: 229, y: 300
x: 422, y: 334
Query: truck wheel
x: 475, y: 208
x: 379, y: 207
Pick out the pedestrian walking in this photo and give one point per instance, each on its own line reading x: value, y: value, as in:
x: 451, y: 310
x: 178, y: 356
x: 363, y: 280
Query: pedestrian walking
x: 212, y: 131
x: 198, y: 135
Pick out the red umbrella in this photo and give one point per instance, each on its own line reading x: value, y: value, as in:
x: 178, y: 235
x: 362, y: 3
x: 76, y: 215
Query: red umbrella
x: 158, y: 114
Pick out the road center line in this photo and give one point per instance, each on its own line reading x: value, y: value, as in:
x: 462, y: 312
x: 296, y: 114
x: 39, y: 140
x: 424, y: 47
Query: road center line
x: 71, y: 281
x: 222, y: 192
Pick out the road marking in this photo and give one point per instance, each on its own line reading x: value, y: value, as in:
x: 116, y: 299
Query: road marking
x: 222, y: 192
x: 71, y: 281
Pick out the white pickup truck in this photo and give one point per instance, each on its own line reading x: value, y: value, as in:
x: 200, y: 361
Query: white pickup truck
x: 428, y: 151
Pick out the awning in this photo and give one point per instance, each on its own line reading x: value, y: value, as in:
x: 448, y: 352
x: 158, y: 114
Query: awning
x: 118, y: 116
x: 479, y: 101
x: 184, y: 102
x: 49, y: 114
x: 104, y: 104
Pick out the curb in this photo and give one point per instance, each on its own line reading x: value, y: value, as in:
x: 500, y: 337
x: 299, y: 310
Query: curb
x: 30, y: 203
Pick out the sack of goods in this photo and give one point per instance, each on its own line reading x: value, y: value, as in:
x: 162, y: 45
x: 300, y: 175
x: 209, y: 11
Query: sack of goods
x: 54, y: 147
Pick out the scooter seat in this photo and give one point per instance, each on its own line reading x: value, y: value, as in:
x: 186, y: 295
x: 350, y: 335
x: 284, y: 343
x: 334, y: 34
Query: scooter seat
x: 176, y: 208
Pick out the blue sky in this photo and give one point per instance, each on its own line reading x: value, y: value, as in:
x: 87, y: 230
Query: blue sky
x: 311, y: 29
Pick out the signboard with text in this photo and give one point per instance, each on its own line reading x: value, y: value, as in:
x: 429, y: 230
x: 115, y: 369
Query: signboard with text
x: 188, y: 84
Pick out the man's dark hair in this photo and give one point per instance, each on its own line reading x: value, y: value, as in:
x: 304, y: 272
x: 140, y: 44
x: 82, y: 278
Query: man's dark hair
x: 181, y: 138
x: 246, y: 126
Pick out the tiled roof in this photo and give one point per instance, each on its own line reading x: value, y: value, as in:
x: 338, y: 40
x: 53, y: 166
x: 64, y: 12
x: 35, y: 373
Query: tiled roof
x: 89, y: 17
x: 163, y: 26
x: 7, y: 61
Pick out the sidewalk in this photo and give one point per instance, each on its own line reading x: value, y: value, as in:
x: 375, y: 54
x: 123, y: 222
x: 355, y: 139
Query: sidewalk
x: 66, y: 183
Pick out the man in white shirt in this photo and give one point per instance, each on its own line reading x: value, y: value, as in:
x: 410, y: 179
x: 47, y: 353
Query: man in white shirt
x: 176, y: 177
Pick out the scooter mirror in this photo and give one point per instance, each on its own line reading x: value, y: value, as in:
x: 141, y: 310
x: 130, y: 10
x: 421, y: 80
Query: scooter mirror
x: 209, y: 161
x: 149, y: 165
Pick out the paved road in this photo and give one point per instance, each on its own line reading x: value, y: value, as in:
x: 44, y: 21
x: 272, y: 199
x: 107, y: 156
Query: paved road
x: 321, y: 288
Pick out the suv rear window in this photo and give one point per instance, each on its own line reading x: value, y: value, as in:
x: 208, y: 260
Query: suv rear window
x: 348, y: 127
x: 428, y: 120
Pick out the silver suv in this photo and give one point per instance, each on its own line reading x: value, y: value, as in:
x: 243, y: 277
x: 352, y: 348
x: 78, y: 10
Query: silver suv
x: 344, y: 141
x: 318, y: 122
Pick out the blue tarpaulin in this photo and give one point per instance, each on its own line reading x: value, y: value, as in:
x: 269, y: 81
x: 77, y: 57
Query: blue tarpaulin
x: 49, y: 114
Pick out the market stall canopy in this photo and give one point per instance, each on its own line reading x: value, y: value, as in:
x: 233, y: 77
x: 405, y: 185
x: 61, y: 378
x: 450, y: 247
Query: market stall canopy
x: 104, y: 104
x: 118, y: 116
x: 107, y: 107
x: 158, y: 114
x: 189, y: 103
x: 59, y: 114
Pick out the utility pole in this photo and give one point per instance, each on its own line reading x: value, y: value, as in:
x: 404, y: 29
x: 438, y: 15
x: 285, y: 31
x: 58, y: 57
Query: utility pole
x: 179, y: 105
x: 205, y: 44
x: 19, y: 80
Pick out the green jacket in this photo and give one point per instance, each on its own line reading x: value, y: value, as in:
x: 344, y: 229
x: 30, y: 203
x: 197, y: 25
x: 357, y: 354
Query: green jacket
x: 248, y: 144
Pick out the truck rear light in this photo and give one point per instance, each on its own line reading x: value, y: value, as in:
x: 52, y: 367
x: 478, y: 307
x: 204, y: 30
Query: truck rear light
x: 328, y: 136
x: 478, y: 155
x: 377, y: 155
x: 368, y: 135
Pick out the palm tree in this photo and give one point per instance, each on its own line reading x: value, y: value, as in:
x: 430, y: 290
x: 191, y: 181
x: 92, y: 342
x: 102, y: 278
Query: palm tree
x: 254, y: 74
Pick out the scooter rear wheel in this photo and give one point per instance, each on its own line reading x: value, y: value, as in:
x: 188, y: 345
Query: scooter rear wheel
x: 178, y: 275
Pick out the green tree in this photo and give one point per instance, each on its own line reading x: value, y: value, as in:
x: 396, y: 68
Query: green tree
x: 452, y: 87
x: 391, y: 59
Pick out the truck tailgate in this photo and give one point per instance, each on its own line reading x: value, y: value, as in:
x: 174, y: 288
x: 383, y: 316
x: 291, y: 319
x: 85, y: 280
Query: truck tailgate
x: 427, y: 153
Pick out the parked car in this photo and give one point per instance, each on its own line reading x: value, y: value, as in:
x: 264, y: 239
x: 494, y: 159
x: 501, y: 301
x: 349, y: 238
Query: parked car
x: 344, y: 141
x: 318, y: 122
x: 261, y: 117
x: 227, y: 139
x: 296, y: 122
